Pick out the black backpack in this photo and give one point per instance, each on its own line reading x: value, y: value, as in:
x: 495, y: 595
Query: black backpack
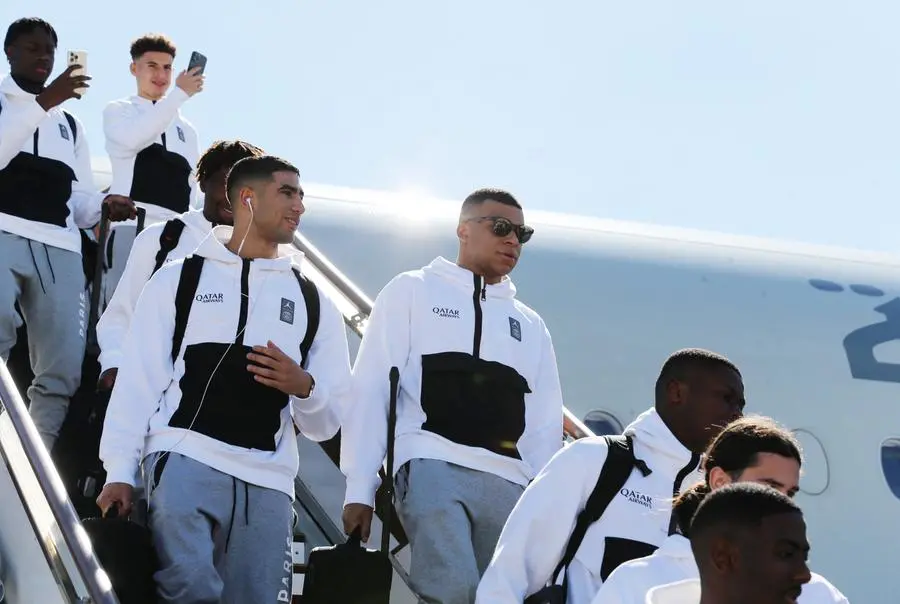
x: 620, y: 461
x: 168, y: 240
x: 187, y: 288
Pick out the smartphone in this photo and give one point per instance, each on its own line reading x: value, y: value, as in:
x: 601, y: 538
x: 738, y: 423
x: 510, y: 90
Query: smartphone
x: 79, y: 57
x: 197, y: 60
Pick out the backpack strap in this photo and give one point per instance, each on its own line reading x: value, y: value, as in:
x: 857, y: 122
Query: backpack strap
x: 184, y: 298
x: 168, y: 239
x: 616, y: 470
x: 311, y: 300
x: 73, y: 126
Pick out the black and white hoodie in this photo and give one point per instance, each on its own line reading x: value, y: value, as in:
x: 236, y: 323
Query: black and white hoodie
x: 46, y: 185
x: 479, y: 385
x: 637, y: 521
x: 153, y: 150
x: 206, y: 405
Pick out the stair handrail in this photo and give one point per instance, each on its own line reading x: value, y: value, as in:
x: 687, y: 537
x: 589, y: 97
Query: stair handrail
x: 52, y: 487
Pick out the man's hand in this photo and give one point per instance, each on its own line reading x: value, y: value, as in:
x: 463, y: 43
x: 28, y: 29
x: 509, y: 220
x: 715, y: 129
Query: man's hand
x: 107, y: 380
x: 116, y: 492
x: 358, y: 515
x: 62, y: 89
x: 191, y: 82
x: 120, y: 208
x: 278, y: 370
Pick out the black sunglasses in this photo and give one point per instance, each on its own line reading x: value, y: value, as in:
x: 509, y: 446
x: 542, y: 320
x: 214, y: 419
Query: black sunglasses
x: 502, y: 227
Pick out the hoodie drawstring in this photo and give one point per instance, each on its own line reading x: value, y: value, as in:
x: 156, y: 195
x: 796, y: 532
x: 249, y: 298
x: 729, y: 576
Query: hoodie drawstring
x: 38, y: 270
x: 234, y: 507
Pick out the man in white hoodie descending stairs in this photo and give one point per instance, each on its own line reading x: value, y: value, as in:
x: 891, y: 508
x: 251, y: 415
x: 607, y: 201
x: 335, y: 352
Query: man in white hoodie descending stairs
x: 218, y: 366
x: 479, y: 406
x: 46, y: 194
x: 697, y: 393
x: 749, y: 449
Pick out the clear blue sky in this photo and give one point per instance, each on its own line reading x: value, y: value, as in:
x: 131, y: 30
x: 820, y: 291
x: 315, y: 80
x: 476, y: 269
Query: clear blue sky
x: 773, y: 118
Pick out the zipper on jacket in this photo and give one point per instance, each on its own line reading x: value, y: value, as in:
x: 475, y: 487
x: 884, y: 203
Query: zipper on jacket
x: 479, y: 289
x: 679, y: 478
x: 164, y: 141
x: 37, y: 130
x: 245, y: 301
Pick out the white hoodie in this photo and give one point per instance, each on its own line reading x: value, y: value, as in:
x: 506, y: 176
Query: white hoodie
x: 674, y: 562
x: 152, y: 151
x: 687, y: 591
x: 207, y: 406
x: 46, y: 185
x: 637, y: 520
x: 114, y: 322
x: 441, y: 326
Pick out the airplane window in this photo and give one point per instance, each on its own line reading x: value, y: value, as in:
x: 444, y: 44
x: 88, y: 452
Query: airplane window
x: 866, y: 290
x: 890, y: 464
x: 602, y: 423
x: 816, y: 474
x: 826, y: 286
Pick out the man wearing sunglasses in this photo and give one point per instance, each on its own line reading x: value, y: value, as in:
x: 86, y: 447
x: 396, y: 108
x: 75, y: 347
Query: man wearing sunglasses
x: 479, y: 401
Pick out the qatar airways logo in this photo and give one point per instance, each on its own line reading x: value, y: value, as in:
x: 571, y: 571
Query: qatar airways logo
x: 637, y: 497
x: 208, y: 298
x: 446, y: 313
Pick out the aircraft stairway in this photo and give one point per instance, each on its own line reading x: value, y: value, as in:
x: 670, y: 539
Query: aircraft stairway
x: 45, y: 554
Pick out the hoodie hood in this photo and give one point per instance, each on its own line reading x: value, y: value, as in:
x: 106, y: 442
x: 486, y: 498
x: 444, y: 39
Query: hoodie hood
x: 681, y: 592
x: 466, y: 279
x: 9, y: 87
x: 213, y: 248
x: 676, y: 546
x: 195, y: 220
x: 651, y: 432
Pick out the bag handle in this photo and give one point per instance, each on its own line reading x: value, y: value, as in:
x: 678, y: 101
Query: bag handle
x: 387, y: 483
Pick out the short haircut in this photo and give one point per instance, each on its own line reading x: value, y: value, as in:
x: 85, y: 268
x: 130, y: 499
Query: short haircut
x: 255, y: 168
x: 686, y: 505
x: 476, y: 198
x: 224, y: 154
x: 738, y: 446
x: 26, y: 25
x: 740, y: 505
x: 151, y: 43
x: 683, y: 361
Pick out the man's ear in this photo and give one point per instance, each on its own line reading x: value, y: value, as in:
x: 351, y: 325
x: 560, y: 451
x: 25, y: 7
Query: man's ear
x: 676, y: 391
x: 724, y: 555
x: 719, y: 478
x: 462, y: 232
x: 202, y: 186
x: 133, y: 68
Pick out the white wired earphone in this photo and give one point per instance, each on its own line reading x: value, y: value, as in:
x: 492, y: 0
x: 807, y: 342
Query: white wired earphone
x: 152, y: 470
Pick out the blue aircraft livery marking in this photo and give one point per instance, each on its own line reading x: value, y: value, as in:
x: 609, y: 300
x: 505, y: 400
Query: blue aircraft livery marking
x: 859, y: 344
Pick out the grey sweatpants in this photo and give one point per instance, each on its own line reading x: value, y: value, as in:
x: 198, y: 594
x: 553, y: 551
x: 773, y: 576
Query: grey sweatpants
x: 48, y: 283
x: 218, y: 538
x: 118, y: 247
x: 453, y: 517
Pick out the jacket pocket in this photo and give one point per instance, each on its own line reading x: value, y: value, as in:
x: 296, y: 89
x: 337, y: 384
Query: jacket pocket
x: 618, y: 550
x: 474, y: 402
x: 36, y: 189
x: 234, y: 408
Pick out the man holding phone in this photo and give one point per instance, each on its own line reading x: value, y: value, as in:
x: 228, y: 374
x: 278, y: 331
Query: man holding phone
x: 152, y: 148
x: 46, y: 194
